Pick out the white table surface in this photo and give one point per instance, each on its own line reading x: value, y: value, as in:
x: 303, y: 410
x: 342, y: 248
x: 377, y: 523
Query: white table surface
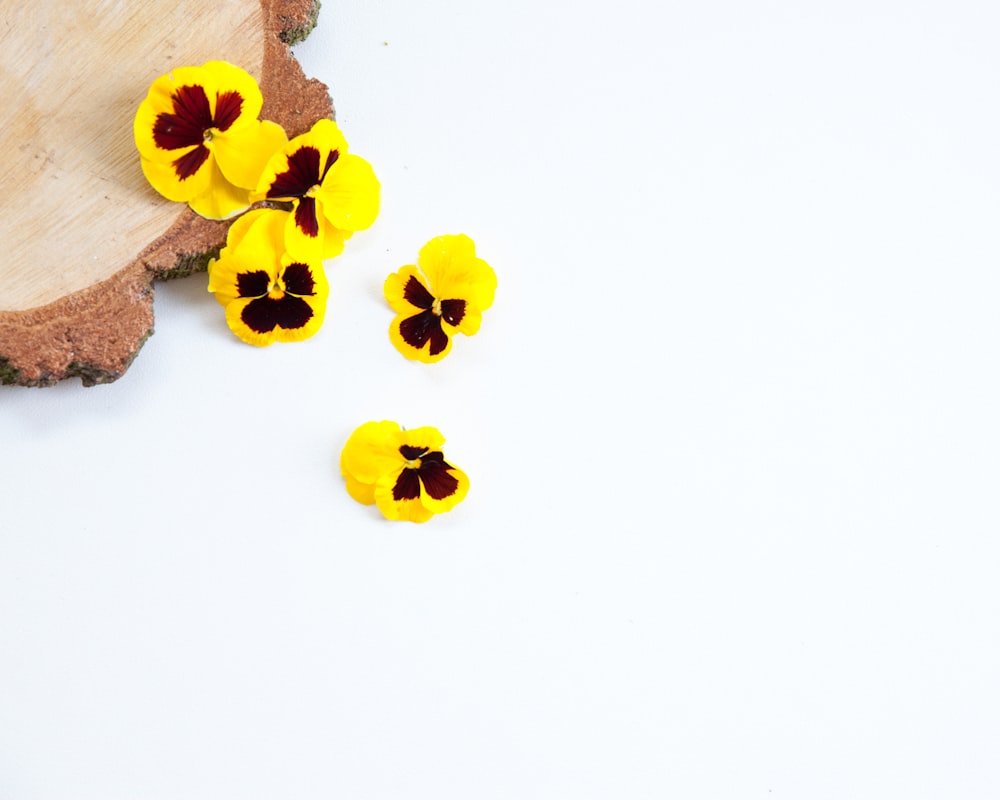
x: 731, y: 426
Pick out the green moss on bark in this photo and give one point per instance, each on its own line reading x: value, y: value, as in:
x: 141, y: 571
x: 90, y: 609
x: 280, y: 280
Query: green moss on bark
x: 296, y: 32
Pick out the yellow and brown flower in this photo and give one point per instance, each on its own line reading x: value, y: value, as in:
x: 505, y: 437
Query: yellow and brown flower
x: 445, y: 293
x: 268, y: 296
x: 403, y: 472
x: 200, y: 140
x: 333, y: 193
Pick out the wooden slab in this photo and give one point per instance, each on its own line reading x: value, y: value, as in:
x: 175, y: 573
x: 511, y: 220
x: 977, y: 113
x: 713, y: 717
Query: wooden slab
x: 83, y: 233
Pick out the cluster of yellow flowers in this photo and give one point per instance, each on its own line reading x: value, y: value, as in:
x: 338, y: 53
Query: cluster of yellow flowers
x: 201, y: 142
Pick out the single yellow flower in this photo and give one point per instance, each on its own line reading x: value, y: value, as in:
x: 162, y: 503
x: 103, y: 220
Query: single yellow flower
x: 268, y: 296
x: 402, y: 472
x: 444, y: 294
x: 199, y: 138
x: 333, y: 193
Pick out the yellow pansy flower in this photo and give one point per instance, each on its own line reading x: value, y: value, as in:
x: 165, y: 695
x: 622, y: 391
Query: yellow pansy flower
x: 445, y: 293
x: 333, y: 193
x: 268, y: 296
x: 403, y: 472
x: 199, y: 138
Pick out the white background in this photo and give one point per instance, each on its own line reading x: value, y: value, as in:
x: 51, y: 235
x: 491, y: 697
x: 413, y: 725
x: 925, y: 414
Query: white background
x: 731, y: 426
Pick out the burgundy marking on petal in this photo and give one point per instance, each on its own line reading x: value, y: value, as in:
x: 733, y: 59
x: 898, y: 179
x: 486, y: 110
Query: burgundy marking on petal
x: 305, y: 217
x: 453, y: 311
x: 252, y: 284
x: 264, y: 314
x: 407, y: 485
x: 416, y: 294
x: 299, y: 279
x: 187, y: 125
x: 416, y: 330
x: 438, y: 482
x: 228, y: 106
x: 331, y: 159
x: 302, y: 174
x: 189, y: 163
x: 409, y: 452
x: 439, y: 339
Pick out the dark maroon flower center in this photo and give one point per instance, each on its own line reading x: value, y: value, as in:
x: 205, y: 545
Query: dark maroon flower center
x: 288, y: 310
x: 425, y: 327
x: 304, y: 172
x: 191, y: 122
x: 265, y: 314
x: 433, y: 473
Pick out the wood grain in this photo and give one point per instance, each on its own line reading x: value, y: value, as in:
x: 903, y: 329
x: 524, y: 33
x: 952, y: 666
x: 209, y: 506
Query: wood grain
x: 84, y: 234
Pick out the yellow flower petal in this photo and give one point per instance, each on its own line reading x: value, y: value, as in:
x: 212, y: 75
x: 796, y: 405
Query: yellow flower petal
x: 234, y: 318
x: 349, y: 195
x: 469, y: 325
x: 427, y: 352
x: 362, y: 492
x: 243, y: 154
x: 454, y: 271
x: 306, y: 246
x: 221, y: 200
x: 395, y: 290
x: 249, y: 247
x: 411, y: 510
x: 262, y: 321
x: 333, y: 240
x: 163, y: 177
x: 223, y: 274
x: 426, y: 437
x: 226, y: 77
x: 447, y: 503
x: 371, y: 450
x: 441, y: 252
x: 259, y: 233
